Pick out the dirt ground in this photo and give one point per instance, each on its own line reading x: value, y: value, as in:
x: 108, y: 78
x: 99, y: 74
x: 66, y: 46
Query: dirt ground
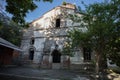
x: 25, y: 73
x: 22, y: 73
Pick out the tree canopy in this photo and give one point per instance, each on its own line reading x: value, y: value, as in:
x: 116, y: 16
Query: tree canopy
x: 19, y: 9
x: 102, y: 21
x: 9, y: 30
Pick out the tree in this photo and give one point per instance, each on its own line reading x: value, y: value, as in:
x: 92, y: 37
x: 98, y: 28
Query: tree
x: 101, y: 21
x: 19, y: 9
x: 9, y: 30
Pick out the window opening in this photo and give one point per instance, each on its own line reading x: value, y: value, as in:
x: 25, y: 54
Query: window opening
x: 57, y: 23
x: 32, y: 41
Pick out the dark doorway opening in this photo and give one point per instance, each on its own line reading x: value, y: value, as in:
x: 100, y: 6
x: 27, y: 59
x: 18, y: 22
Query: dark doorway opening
x: 31, y: 54
x: 56, y: 56
x: 87, y: 54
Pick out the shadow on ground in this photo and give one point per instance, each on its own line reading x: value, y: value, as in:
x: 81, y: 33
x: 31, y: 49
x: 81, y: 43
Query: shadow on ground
x: 23, y: 73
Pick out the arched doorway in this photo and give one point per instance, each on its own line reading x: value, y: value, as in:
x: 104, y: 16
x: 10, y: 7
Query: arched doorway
x: 31, y: 54
x: 56, y: 56
x: 87, y: 54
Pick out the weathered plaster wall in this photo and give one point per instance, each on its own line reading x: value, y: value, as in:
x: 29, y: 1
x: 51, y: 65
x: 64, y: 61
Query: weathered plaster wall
x: 46, y: 36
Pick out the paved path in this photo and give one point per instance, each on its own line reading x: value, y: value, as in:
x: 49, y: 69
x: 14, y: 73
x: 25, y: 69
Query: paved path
x: 40, y: 74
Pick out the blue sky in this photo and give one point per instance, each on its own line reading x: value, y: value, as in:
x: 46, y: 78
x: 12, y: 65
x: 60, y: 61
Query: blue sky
x: 46, y: 6
x: 43, y: 7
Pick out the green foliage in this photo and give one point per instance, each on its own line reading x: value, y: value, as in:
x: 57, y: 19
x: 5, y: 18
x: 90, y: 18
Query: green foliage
x: 79, y: 38
x: 102, y: 21
x: 11, y: 34
x: 48, y: 0
x: 19, y: 9
x: 26, y: 25
x: 67, y: 50
x: 114, y: 47
x: 10, y: 31
x: 64, y: 3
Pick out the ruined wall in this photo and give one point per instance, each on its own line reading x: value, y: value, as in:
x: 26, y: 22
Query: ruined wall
x: 46, y: 36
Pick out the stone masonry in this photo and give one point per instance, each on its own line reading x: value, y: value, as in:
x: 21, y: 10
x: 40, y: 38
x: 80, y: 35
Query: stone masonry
x: 46, y: 36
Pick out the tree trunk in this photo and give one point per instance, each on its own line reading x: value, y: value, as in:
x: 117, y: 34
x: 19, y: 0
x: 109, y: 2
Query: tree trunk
x: 101, y: 63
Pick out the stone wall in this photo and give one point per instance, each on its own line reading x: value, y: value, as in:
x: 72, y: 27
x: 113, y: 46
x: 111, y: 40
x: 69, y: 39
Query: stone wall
x: 47, y: 36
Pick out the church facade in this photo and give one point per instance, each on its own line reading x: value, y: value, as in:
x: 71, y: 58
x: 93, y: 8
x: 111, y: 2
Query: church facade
x: 43, y: 41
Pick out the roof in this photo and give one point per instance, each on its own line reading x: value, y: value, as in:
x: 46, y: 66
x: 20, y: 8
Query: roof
x: 9, y: 45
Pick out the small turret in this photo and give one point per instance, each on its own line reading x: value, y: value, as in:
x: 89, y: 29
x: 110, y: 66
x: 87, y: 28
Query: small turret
x: 68, y: 5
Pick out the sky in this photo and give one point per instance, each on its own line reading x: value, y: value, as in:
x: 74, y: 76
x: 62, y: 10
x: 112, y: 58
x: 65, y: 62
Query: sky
x: 43, y: 7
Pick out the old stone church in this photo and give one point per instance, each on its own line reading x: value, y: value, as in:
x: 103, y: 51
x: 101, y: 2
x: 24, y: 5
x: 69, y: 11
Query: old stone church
x: 46, y: 36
